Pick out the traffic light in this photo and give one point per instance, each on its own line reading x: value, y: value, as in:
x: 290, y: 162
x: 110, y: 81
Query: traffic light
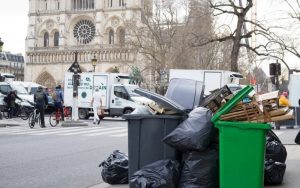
x: 76, y: 80
x: 275, y: 69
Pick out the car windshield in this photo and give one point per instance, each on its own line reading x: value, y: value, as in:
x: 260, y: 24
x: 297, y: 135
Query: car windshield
x: 130, y: 89
x: 20, y: 89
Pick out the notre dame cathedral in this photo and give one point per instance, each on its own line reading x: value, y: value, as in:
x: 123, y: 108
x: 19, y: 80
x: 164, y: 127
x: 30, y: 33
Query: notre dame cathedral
x: 93, y: 28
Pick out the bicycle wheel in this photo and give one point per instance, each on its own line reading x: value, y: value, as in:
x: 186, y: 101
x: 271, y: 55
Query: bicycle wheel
x: 52, y: 119
x: 31, y: 120
x: 5, y: 114
x: 22, y: 113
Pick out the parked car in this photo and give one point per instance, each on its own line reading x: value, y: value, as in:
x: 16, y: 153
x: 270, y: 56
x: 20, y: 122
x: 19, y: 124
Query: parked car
x: 31, y: 88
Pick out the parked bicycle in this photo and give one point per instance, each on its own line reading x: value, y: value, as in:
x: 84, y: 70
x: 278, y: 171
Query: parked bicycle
x: 34, y: 118
x: 22, y: 111
x: 55, y: 117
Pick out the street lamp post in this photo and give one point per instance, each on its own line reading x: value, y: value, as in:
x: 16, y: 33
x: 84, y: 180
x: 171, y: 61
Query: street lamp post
x: 1, y: 45
x: 75, y: 69
x: 94, y: 62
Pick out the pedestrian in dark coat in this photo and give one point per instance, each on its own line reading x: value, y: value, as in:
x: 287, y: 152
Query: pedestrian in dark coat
x: 41, y: 101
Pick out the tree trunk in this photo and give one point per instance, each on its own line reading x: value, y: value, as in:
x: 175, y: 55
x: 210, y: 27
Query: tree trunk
x: 236, y: 45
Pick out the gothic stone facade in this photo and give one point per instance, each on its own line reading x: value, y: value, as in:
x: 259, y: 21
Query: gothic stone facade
x: 94, y: 28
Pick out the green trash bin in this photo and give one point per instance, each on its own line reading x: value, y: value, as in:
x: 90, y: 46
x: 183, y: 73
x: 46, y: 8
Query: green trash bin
x: 241, y: 148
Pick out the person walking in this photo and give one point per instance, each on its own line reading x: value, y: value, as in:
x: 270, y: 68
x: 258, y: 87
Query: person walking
x: 97, y: 105
x: 11, y: 103
x: 41, y: 101
x: 58, y: 98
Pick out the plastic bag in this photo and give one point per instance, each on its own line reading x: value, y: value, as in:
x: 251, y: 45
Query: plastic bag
x: 141, y: 110
x: 274, y: 172
x: 193, y: 134
x: 276, y: 151
x: 160, y: 174
x: 115, y: 168
x: 271, y: 136
x: 297, y: 139
x: 200, y: 169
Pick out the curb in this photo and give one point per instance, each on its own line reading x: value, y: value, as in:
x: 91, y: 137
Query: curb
x: 9, y: 125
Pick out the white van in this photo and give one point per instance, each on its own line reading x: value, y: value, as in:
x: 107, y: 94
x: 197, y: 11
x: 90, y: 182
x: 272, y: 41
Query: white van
x: 117, y: 95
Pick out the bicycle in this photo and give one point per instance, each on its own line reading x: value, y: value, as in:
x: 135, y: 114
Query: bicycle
x: 34, y: 117
x: 21, y: 111
x: 55, y: 117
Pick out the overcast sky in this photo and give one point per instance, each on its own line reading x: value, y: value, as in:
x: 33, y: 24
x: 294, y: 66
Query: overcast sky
x: 14, y: 21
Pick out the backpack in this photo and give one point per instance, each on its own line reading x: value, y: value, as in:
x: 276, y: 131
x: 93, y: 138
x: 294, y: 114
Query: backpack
x: 5, y: 99
x: 39, y: 97
x: 54, y: 96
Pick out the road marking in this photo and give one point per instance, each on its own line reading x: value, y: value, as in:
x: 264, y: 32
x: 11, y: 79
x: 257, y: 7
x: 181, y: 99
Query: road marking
x: 32, y: 131
x: 63, y: 131
x: 82, y: 131
x: 106, y: 132
x: 120, y: 135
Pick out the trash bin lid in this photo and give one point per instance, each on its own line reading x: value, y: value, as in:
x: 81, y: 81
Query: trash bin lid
x: 232, y: 102
x: 161, y: 100
x: 192, y: 90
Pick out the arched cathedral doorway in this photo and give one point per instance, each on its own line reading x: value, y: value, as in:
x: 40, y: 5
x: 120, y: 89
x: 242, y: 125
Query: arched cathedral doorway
x: 46, y: 79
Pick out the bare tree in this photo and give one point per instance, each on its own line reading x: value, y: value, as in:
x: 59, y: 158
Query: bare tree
x: 163, y: 38
x: 238, y: 10
x: 153, y: 39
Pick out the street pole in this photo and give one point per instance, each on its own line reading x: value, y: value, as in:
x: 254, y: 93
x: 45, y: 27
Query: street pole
x: 94, y: 67
x: 75, y: 83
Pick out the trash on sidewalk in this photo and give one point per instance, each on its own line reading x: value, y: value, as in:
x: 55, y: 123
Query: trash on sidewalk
x: 194, y: 133
x: 252, y: 108
x: 274, y: 172
x: 200, y: 169
x: 275, y: 151
x: 115, y: 168
x: 162, y: 173
x: 274, y: 160
x: 297, y: 139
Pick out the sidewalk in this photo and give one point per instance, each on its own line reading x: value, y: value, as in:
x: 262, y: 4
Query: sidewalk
x: 291, y: 177
x: 10, y: 122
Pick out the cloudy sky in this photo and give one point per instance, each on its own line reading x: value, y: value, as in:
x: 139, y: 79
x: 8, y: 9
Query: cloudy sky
x: 14, y: 20
x: 13, y: 28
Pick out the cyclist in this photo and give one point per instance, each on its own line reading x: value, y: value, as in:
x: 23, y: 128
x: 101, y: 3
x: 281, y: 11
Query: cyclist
x: 58, y: 98
x: 41, y: 101
x: 11, y: 103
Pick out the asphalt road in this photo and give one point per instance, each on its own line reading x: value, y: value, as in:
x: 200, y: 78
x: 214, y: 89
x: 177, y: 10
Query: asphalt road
x: 58, y: 157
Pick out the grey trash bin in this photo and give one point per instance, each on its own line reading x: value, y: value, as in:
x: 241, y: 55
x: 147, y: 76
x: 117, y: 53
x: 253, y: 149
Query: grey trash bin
x: 145, y: 133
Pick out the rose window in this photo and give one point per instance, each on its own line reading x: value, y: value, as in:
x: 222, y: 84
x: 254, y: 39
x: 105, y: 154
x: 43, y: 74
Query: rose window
x: 84, y: 31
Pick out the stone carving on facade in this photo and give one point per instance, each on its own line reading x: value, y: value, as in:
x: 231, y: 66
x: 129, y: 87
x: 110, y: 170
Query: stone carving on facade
x: 115, y: 22
x: 39, y: 19
x: 49, y: 25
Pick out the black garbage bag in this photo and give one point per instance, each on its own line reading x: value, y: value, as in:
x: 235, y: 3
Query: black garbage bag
x: 193, y: 134
x: 160, y: 174
x: 274, y: 172
x: 199, y: 170
x: 115, y: 168
x: 275, y: 151
x: 297, y: 139
x: 271, y: 136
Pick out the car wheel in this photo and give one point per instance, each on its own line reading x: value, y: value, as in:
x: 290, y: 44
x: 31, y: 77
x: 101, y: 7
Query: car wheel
x: 83, y: 113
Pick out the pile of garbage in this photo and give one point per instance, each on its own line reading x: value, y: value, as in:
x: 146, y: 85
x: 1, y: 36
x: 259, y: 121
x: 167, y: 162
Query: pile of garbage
x: 197, y: 139
x: 253, y: 108
x: 198, y: 166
